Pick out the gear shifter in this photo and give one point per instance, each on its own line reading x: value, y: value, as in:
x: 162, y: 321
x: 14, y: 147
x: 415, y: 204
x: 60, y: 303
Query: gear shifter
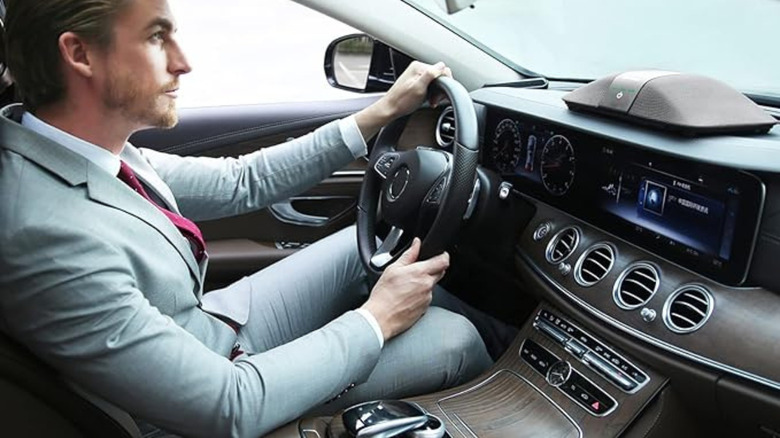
x: 388, y: 418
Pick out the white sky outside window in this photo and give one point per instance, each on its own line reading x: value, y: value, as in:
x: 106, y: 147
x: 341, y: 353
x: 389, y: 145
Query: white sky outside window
x: 255, y: 51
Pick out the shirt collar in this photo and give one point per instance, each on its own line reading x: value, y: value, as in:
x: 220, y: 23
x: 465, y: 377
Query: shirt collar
x: 95, y: 154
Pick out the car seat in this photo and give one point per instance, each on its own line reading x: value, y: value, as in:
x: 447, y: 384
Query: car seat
x: 34, y: 400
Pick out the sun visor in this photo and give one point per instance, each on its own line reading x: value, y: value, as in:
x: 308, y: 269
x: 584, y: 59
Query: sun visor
x: 686, y: 103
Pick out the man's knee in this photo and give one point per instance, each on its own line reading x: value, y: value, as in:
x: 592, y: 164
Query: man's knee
x: 461, y: 347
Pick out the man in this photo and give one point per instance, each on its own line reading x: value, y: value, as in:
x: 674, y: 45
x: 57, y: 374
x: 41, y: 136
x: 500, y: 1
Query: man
x: 102, y: 278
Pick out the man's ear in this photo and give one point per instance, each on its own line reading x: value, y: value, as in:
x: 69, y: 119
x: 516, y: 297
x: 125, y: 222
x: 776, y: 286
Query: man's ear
x: 76, y: 54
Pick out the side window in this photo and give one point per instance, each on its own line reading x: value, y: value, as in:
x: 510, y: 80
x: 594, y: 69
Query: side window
x: 250, y: 52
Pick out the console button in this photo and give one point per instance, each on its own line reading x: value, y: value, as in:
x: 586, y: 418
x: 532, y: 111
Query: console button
x: 609, y: 371
x: 637, y: 375
x: 592, y: 398
x: 555, y: 333
x: 575, y: 348
x: 537, y: 356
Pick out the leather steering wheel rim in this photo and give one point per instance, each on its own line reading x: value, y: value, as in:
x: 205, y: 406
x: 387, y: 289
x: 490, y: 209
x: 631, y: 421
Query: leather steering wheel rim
x: 461, y: 175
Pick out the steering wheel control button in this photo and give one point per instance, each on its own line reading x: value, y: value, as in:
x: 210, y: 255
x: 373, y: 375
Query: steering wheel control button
x: 558, y: 373
x: 384, y: 164
x: 542, y: 231
x: 434, y: 197
x: 537, y: 357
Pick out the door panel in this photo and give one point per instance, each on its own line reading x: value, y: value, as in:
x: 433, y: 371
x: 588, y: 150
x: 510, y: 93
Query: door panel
x: 241, y: 245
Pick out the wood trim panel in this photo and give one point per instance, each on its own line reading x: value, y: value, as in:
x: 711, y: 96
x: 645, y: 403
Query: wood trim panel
x: 740, y: 335
x: 486, y: 410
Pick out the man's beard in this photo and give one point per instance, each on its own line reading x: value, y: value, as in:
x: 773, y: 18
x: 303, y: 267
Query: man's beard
x: 151, y: 110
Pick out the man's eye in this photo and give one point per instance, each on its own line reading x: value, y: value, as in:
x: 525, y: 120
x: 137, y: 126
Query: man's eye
x: 158, y: 36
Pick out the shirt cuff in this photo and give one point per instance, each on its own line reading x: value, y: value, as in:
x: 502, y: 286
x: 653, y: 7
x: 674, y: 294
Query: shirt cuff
x: 374, y: 325
x: 352, y: 137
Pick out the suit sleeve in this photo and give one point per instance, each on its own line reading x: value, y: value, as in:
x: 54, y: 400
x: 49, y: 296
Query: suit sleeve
x: 210, y: 188
x: 72, y: 299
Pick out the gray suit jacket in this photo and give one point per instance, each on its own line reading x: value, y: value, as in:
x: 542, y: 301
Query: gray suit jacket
x: 99, y: 284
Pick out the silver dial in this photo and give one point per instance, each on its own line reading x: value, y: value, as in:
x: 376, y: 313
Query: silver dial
x: 506, y: 149
x: 558, y: 165
x: 559, y: 373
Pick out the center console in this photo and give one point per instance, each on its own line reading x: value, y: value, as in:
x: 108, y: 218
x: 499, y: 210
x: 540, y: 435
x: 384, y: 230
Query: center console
x: 556, y: 380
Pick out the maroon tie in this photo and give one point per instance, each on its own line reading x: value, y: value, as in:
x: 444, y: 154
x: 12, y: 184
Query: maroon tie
x: 186, y: 227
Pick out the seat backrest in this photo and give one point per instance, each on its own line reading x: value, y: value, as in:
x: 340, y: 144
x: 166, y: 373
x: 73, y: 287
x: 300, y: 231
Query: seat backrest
x: 35, y: 401
x: 7, y: 92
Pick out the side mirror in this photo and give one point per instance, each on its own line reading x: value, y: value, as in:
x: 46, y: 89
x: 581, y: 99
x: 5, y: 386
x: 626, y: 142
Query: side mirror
x: 362, y: 64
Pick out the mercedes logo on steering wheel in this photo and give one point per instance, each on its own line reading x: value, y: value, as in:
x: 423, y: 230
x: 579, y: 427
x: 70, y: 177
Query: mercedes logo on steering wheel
x: 400, y: 181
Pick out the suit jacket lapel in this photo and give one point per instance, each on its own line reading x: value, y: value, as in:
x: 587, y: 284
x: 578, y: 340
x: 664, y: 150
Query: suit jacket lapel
x: 108, y: 190
x: 102, y: 187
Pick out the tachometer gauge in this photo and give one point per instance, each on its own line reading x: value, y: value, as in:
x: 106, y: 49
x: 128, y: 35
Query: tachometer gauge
x: 507, y: 146
x: 557, y: 165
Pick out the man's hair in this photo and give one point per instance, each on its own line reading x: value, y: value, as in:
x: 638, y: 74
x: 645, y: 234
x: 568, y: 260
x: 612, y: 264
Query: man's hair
x: 32, y: 32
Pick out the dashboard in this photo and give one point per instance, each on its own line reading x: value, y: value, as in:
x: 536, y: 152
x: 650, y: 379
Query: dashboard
x: 698, y: 215
x: 651, y: 240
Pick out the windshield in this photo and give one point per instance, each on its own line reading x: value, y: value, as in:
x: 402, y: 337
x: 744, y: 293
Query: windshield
x: 729, y: 40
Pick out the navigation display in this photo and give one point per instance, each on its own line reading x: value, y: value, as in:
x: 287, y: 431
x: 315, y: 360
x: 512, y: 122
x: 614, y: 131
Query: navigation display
x: 701, y: 216
x: 683, y: 214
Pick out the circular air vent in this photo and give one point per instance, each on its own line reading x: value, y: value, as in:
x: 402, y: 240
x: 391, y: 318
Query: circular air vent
x: 594, y: 264
x: 445, y: 128
x: 688, y: 308
x: 635, y: 286
x: 562, y: 245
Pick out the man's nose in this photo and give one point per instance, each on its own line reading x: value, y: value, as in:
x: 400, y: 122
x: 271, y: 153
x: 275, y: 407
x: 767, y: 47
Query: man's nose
x: 177, y: 61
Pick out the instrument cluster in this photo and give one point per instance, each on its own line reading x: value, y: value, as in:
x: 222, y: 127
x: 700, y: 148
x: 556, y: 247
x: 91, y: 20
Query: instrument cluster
x: 528, y: 150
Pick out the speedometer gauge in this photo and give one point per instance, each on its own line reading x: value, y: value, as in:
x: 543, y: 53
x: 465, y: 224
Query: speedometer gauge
x: 558, y: 165
x: 507, y: 146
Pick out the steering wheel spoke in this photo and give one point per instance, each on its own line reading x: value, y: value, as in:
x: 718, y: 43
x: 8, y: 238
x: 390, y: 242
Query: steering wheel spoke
x: 384, y: 254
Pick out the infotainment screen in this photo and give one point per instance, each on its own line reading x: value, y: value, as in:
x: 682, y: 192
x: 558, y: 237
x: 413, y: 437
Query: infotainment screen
x: 698, y: 215
x: 681, y: 210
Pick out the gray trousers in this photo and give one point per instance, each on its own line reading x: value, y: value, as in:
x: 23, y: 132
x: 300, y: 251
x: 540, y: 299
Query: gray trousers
x: 306, y: 290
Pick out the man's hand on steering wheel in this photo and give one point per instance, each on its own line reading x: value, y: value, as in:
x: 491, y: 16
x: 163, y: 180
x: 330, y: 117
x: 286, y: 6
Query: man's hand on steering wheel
x: 403, y: 292
x: 406, y: 95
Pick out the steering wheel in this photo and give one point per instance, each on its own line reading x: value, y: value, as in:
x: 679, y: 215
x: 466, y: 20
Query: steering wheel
x: 423, y: 192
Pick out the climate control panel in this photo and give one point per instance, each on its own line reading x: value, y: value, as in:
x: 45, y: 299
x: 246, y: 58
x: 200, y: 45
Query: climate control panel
x: 592, y: 352
x: 561, y: 375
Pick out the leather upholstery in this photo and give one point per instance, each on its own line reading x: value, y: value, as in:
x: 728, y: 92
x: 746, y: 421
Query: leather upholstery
x: 34, y: 401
